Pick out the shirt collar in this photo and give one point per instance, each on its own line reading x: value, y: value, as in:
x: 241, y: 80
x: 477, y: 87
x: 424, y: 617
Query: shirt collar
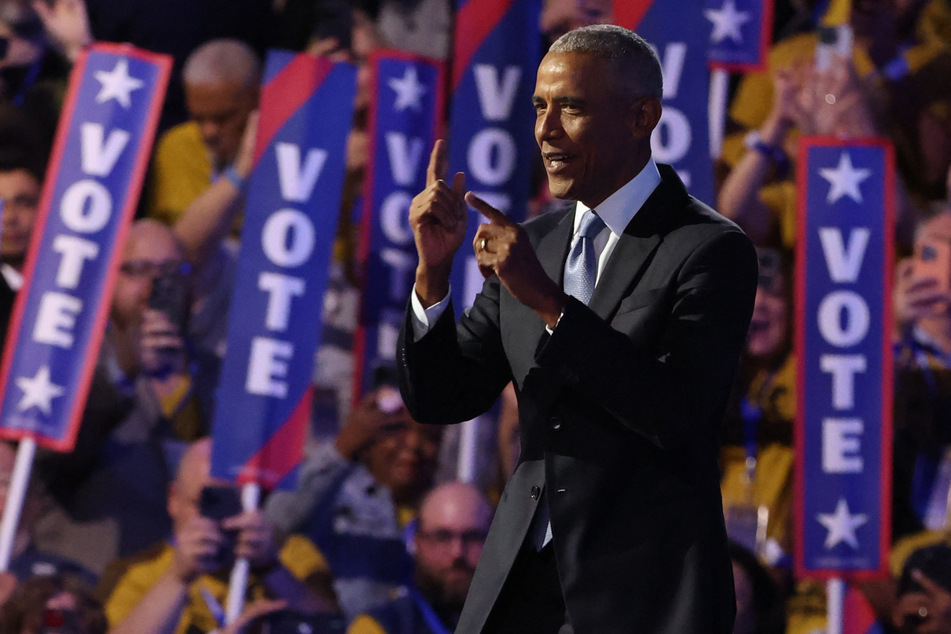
x: 12, y: 276
x: 619, y: 208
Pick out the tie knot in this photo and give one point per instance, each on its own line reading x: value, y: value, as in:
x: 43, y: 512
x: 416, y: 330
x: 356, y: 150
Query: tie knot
x: 591, y: 225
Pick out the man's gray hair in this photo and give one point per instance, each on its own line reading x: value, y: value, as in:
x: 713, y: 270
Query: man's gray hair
x: 222, y: 60
x: 634, y: 60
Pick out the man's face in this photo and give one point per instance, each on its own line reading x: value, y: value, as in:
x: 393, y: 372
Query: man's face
x: 584, y: 127
x: 448, y: 546
x: 404, y: 458
x: 20, y: 193
x: 150, y: 251
x: 221, y: 111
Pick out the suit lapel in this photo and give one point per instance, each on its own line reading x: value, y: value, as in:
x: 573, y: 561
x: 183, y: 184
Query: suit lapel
x: 553, y: 247
x: 637, y: 244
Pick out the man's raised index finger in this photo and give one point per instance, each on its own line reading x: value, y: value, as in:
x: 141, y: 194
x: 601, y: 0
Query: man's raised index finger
x: 494, y: 215
x: 438, y: 160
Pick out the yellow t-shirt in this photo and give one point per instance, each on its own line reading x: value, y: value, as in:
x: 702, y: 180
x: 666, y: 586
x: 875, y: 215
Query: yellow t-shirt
x: 298, y: 555
x: 364, y: 624
x: 181, y: 170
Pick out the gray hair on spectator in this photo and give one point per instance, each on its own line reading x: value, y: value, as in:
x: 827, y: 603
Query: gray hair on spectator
x: 222, y: 60
x: 634, y: 61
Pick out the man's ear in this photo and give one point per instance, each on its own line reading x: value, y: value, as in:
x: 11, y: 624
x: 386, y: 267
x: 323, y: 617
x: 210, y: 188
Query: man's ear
x: 645, y: 113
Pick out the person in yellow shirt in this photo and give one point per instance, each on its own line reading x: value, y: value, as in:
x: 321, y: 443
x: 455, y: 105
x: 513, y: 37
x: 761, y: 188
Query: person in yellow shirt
x: 221, y: 80
x: 182, y: 585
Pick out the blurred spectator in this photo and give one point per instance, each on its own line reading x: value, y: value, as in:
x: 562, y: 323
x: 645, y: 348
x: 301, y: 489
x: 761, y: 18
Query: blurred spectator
x: 922, y: 419
x: 453, y: 521
x: 419, y: 26
x: 21, y: 177
x: 26, y: 560
x: 560, y: 16
x: 924, y: 592
x: 33, y: 73
x: 221, y: 80
x: 759, y: 603
x: 356, y: 495
x: 885, y: 86
x: 144, y: 405
x: 47, y: 604
x: 757, y: 456
x: 179, y: 27
x: 182, y: 584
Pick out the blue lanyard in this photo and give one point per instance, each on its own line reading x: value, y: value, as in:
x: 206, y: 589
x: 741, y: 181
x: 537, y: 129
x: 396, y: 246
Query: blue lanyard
x: 750, y: 413
x: 429, y: 615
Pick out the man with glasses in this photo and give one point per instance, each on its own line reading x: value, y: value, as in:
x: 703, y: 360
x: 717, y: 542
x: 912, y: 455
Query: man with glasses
x: 453, y: 521
x: 144, y: 407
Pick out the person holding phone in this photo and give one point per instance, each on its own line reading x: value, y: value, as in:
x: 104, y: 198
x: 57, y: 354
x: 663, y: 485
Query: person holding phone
x: 357, y: 495
x: 183, y: 583
x: 922, y: 423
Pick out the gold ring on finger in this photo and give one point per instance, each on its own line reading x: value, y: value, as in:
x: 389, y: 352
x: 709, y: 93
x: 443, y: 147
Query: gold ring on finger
x: 484, y: 244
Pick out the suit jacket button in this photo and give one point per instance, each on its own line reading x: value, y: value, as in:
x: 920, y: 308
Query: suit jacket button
x: 555, y: 423
x: 536, y: 492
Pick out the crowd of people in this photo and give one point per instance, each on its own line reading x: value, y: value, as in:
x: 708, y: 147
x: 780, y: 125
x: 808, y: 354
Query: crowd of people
x: 121, y: 534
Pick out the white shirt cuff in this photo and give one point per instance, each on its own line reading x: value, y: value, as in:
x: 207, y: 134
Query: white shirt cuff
x: 424, y: 318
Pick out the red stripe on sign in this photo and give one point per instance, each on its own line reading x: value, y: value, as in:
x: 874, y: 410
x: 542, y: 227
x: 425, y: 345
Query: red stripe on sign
x: 286, y: 93
x: 474, y: 23
x: 282, y: 452
x: 629, y: 13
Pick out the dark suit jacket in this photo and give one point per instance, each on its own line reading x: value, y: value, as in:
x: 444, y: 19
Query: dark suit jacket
x: 618, y: 412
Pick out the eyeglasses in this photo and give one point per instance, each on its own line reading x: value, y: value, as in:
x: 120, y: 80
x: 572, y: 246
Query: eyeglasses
x: 148, y: 268
x: 20, y: 202
x: 443, y: 539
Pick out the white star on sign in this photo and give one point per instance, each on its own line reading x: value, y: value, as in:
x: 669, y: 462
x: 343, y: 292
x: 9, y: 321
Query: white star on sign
x: 841, y: 525
x: 38, y: 391
x: 727, y: 22
x: 844, y: 179
x: 408, y: 90
x: 117, y: 84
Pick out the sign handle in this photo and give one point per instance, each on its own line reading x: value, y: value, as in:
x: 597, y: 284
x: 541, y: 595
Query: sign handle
x: 716, y: 109
x: 15, y: 497
x: 238, y: 583
x: 835, y: 604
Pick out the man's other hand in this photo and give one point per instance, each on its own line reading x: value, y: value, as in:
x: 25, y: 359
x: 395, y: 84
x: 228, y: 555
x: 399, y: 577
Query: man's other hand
x: 502, y: 247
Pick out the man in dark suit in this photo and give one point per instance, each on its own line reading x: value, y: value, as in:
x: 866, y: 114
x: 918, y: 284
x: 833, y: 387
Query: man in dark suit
x: 612, y: 521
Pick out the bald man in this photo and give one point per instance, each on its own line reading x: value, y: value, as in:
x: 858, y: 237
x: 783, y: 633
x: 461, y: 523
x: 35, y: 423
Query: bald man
x: 221, y: 80
x: 453, y: 521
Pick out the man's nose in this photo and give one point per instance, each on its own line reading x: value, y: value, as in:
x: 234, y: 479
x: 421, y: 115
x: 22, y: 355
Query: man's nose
x: 548, y: 125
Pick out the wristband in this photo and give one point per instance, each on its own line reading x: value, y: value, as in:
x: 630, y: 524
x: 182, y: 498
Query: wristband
x: 773, y: 153
x: 234, y: 178
x: 896, y: 68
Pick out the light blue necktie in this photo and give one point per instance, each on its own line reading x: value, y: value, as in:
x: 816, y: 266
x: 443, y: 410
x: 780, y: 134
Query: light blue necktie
x: 581, y: 267
x: 581, y: 271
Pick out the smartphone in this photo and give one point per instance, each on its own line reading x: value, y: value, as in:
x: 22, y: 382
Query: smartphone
x: 933, y: 259
x: 170, y: 295
x: 833, y: 41
x: 220, y: 502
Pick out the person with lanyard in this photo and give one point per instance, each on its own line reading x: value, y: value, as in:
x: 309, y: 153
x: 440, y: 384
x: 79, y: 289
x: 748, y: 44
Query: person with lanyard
x: 453, y: 521
x: 757, y: 456
x: 922, y: 357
